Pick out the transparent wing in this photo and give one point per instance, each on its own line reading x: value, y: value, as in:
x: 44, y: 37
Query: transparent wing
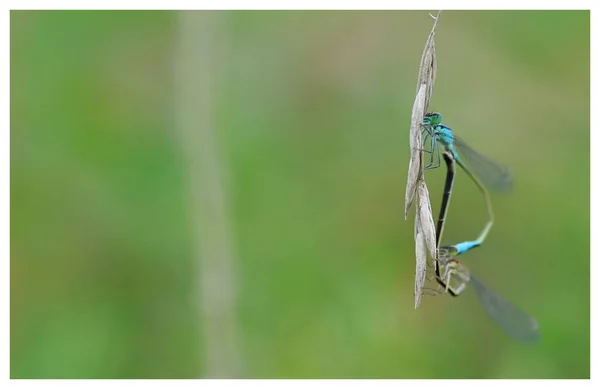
x: 495, y: 177
x: 511, y: 319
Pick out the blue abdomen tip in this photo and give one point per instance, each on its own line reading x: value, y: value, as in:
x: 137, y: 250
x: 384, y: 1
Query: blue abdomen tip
x: 466, y: 246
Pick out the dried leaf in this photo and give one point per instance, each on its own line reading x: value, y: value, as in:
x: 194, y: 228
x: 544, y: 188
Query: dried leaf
x: 415, y: 170
x: 421, y: 256
x: 426, y: 218
x: 424, y: 226
x: 425, y: 82
x: 428, y: 66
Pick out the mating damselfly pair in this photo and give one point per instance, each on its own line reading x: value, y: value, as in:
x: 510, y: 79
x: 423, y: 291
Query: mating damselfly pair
x: 451, y: 274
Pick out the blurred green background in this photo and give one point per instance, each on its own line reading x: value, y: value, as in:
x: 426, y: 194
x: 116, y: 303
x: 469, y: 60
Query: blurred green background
x: 311, y: 113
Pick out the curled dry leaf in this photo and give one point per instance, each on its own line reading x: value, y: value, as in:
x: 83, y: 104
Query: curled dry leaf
x: 424, y: 225
x: 428, y: 66
x: 426, y: 218
x: 415, y: 169
x: 421, y: 257
x: 425, y: 82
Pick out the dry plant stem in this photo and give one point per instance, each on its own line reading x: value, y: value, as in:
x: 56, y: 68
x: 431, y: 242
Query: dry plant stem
x: 199, y: 39
x: 424, y: 225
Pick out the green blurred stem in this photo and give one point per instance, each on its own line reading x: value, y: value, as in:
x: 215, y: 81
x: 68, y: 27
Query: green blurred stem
x: 199, y: 40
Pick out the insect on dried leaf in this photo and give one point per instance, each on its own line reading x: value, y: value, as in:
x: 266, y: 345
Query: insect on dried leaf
x: 415, y: 185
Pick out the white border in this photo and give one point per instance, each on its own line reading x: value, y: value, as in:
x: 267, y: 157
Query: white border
x: 373, y: 4
x: 306, y: 4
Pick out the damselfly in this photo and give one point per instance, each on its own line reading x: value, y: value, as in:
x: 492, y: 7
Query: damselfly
x: 507, y: 316
x: 483, y: 172
x: 454, y: 276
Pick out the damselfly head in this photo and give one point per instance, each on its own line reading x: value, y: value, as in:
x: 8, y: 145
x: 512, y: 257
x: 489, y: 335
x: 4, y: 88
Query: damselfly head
x: 447, y: 253
x: 432, y: 118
